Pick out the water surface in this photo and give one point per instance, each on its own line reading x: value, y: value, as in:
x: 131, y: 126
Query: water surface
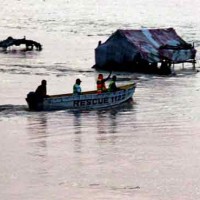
x: 147, y: 149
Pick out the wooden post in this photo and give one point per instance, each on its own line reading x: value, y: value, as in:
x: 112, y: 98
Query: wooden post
x: 173, y: 65
x: 193, y: 64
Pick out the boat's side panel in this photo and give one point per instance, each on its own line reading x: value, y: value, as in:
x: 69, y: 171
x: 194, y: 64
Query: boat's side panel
x: 88, y: 101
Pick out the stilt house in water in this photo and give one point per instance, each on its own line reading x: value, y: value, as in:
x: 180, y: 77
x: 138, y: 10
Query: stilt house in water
x: 145, y: 51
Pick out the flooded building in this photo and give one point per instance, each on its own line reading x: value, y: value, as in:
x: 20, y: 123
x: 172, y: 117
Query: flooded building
x: 144, y: 50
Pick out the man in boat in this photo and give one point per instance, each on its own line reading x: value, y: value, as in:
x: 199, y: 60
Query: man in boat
x: 112, y: 85
x: 101, y: 83
x: 41, y: 91
x: 77, y: 87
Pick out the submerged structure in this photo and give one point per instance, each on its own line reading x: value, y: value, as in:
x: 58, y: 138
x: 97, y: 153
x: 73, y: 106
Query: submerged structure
x: 29, y: 44
x: 144, y: 51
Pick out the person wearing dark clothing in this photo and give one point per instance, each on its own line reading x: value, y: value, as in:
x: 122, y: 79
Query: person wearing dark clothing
x: 165, y: 68
x: 41, y: 91
x: 112, y: 85
x: 35, y: 99
x: 101, y: 87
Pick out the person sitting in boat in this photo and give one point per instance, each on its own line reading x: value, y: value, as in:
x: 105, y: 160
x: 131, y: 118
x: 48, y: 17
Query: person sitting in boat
x: 112, y: 85
x: 41, y: 91
x: 101, y: 87
x: 77, y: 87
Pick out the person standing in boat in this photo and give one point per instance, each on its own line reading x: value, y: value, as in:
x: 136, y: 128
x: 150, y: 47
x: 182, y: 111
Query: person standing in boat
x: 101, y: 87
x: 77, y: 87
x: 41, y: 91
x: 112, y: 85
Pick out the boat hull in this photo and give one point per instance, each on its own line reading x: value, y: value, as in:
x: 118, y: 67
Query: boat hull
x: 86, y: 101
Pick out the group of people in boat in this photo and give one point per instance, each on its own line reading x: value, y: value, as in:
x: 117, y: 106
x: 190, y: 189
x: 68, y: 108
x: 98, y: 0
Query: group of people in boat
x: 41, y: 91
x: 101, y: 87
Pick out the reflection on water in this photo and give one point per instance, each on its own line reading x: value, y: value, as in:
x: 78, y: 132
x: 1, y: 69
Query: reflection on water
x: 104, y: 123
x: 37, y: 125
x: 37, y: 130
x: 132, y: 148
x: 77, y: 131
x: 77, y: 122
x: 101, y: 122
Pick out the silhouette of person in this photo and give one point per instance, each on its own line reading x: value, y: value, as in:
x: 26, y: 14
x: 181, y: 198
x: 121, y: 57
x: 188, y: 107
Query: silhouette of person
x: 41, y: 91
x: 112, y: 85
x: 77, y: 87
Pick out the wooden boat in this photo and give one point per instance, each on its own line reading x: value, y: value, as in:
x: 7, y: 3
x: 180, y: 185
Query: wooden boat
x: 89, y: 100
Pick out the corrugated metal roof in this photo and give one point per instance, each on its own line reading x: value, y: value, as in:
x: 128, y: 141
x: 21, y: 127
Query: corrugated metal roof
x: 157, y: 44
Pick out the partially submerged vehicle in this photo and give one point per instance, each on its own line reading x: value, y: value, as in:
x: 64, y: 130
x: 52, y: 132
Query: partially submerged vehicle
x: 89, y: 100
x: 146, y: 51
x: 29, y: 44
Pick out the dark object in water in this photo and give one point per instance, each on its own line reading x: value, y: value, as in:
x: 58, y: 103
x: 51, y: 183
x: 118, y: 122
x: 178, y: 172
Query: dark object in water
x: 139, y: 67
x: 152, y: 51
x: 17, y: 42
x: 34, y: 102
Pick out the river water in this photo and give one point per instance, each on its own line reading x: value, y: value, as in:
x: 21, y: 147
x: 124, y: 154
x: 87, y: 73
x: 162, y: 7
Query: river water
x: 144, y: 150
